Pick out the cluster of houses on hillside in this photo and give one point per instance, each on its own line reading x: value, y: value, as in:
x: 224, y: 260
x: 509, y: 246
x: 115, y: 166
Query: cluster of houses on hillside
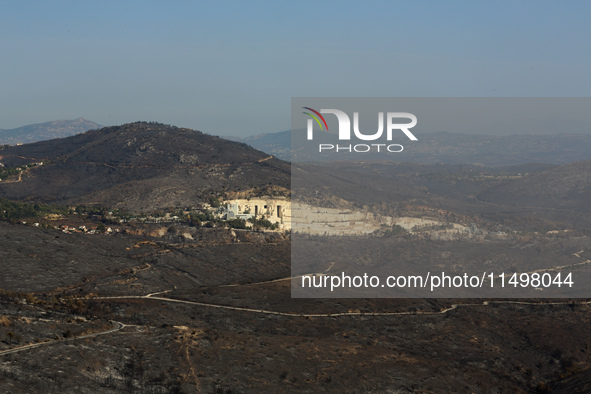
x: 277, y: 211
x: 64, y: 228
x: 83, y: 229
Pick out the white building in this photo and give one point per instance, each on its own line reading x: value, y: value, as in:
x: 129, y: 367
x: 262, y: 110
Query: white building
x: 274, y: 210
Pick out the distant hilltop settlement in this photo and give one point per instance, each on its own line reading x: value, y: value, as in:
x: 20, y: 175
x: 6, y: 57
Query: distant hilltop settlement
x: 276, y: 211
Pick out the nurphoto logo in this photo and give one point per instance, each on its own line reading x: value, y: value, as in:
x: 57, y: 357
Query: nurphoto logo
x: 344, y: 131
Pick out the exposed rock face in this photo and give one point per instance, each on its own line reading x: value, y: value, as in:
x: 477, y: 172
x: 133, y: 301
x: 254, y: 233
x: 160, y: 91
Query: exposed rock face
x: 314, y: 220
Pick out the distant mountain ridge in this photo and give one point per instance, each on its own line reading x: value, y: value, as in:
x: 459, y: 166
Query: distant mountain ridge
x: 276, y: 144
x: 46, y: 131
x: 452, y: 148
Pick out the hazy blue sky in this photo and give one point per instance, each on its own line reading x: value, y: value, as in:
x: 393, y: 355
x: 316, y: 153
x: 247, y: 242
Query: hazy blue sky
x: 231, y: 67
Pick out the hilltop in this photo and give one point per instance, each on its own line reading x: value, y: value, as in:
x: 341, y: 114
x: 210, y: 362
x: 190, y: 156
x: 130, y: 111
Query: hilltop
x: 46, y: 131
x: 138, y: 167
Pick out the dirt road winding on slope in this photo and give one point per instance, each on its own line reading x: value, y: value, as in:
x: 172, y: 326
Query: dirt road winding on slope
x: 117, y: 327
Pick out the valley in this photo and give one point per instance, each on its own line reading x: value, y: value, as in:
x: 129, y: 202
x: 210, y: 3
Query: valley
x: 130, y: 265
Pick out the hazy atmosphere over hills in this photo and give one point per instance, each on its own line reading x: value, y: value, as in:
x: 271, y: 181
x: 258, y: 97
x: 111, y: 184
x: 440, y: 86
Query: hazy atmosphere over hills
x: 452, y: 148
x: 46, y: 131
x: 443, y: 147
